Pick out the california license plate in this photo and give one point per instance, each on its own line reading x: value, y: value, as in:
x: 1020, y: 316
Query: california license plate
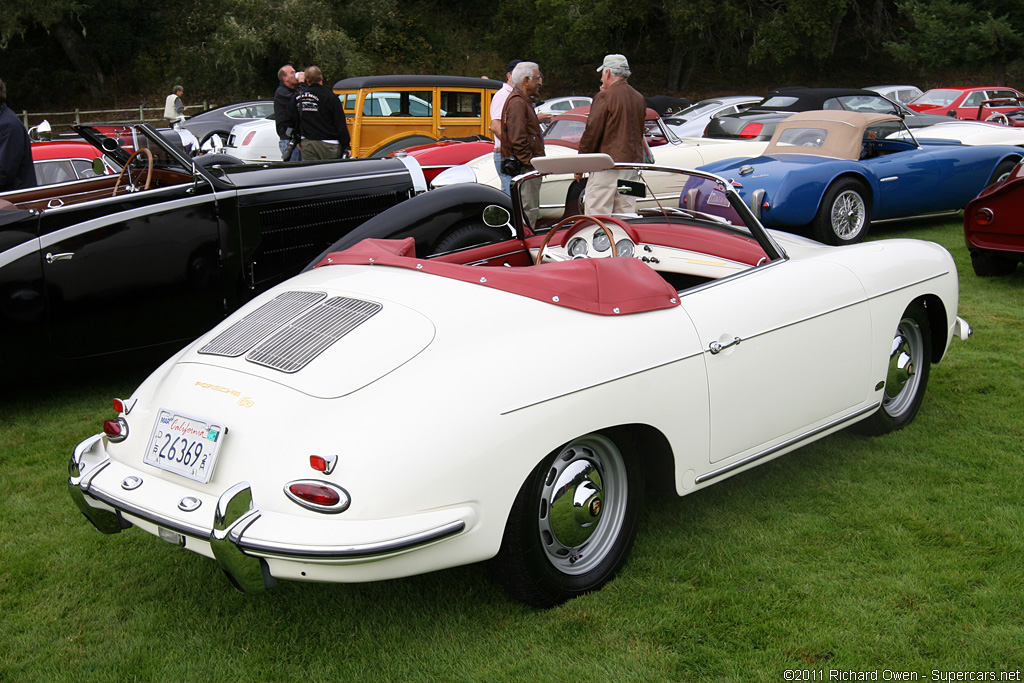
x: 184, y: 445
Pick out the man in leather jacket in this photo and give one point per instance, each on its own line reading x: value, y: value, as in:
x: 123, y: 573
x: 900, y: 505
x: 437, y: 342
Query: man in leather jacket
x: 615, y: 127
x: 521, y: 138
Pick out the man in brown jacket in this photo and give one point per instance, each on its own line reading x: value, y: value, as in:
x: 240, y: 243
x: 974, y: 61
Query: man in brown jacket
x: 521, y: 139
x: 615, y: 127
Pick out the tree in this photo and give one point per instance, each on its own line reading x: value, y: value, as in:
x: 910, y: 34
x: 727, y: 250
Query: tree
x: 982, y: 34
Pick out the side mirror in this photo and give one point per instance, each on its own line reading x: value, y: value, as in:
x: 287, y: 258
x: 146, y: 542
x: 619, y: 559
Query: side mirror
x: 110, y: 145
x: 498, y: 217
x: 97, y: 166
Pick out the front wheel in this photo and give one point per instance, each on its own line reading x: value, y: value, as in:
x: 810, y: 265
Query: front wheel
x: 573, y: 523
x: 909, y: 366
x: 1002, y: 172
x: 844, y: 214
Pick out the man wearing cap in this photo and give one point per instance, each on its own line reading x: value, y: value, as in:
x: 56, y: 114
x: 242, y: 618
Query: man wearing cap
x: 615, y: 127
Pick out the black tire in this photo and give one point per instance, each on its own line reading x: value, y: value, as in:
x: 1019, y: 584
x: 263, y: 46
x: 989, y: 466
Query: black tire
x: 469, y: 234
x: 844, y: 215
x: 909, y: 366
x: 988, y: 263
x: 1002, y: 172
x: 206, y: 138
x: 573, y: 523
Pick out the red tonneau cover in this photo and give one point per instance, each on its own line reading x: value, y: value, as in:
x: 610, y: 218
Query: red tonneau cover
x: 605, y: 286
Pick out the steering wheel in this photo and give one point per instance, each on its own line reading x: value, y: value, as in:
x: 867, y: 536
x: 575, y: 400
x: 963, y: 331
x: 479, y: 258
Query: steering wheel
x: 1000, y: 118
x: 571, y: 220
x: 149, y: 170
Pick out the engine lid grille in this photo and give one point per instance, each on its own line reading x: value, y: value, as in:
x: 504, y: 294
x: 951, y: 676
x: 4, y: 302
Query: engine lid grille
x: 248, y: 331
x: 294, y: 346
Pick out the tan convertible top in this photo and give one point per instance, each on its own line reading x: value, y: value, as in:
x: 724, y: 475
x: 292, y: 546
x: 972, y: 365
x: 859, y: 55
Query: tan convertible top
x: 832, y: 133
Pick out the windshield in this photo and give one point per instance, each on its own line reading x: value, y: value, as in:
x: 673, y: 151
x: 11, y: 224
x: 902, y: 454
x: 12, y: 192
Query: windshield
x: 120, y: 142
x: 938, y: 97
x: 565, y: 131
x: 705, y: 107
x: 659, y: 192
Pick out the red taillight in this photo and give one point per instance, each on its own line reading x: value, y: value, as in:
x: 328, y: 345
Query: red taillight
x: 984, y: 216
x: 116, y: 429
x: 320, y: 496
x: 248, y: 138
x: 318, y: 463
x: 124, y: 406
x: 751, y: 130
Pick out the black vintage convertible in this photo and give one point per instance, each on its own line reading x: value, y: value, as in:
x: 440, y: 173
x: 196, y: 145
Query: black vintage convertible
x: 161, y: 252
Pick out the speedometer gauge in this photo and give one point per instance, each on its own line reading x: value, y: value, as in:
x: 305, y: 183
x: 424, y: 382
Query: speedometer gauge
x: 624, y: 248
x: 601, y: 241
x: 577, y: 247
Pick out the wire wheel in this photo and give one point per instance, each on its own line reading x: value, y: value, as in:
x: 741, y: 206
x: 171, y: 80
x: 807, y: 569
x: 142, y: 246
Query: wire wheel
x: 848, y: 214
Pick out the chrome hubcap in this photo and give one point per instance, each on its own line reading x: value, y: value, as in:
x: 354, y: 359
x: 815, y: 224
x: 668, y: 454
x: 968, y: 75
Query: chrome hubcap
x: 848, y: 214
x: 902, y: 380
x: 582, y: 504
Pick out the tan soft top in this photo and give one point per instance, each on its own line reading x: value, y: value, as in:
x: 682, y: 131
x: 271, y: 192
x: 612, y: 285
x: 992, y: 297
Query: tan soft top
x: 832, y: 133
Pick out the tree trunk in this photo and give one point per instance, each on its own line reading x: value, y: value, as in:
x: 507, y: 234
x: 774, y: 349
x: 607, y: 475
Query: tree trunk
x: 77, y: 51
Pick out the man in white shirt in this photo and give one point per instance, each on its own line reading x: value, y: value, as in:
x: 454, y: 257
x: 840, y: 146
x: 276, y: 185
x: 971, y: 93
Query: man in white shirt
x: 497, y: 106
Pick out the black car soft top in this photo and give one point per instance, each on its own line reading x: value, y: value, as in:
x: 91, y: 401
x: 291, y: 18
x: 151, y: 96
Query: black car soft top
x: 809, y: 99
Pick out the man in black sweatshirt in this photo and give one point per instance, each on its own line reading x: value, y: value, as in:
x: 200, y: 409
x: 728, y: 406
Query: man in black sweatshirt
x: 321, y: 119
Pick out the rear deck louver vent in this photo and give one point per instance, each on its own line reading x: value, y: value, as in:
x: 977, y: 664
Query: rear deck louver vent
x: 293, y: 347
x: 248, y: 331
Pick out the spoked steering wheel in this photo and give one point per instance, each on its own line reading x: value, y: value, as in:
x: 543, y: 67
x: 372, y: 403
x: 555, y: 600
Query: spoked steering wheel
x: 571, y: 220
x: 149, y: 170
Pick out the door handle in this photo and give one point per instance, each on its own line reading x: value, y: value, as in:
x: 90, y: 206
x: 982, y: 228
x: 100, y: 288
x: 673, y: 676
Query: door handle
x: 67, y: 256
x: 717, y: 347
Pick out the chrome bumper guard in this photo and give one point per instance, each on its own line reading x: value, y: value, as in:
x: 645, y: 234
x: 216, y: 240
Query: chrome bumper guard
x: 962, y: 329
x: 239, y: 558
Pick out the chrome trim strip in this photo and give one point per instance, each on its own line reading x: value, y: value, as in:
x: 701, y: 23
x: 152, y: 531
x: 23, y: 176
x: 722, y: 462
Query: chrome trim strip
x: 77, y: 229
x: 26, y: 248
x: 889, y: 179
x: 785, y: 444
x: 914, y: 218
x: 350, y: 551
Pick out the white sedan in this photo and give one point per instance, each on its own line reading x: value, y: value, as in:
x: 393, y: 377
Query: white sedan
x: 387, y: 414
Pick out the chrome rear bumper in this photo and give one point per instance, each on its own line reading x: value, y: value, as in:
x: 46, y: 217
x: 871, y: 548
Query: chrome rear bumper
x: 243, y: 560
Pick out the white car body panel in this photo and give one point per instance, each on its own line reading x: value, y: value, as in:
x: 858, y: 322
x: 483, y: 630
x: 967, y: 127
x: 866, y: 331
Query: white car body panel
x: 263, y: 146
x: 440, y: 404
x: 973, y: 133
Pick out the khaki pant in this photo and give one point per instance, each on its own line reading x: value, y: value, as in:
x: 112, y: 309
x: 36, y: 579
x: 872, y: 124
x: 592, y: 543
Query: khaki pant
x: 318, y: 149
x: 602, y: 197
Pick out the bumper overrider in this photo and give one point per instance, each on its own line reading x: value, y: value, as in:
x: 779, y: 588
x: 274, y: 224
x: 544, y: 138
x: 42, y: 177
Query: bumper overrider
x: 232, y: 538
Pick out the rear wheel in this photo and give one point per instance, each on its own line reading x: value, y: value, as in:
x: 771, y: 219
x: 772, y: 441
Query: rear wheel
x: 573, y: 523
x: 844, y: 214
x: 469, y: 234
x: 907, y: 377
x: 1002, y: 172
x: 988, y: 263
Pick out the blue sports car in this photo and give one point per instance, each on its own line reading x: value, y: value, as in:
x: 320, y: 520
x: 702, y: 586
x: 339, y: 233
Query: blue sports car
x: 839, y: 170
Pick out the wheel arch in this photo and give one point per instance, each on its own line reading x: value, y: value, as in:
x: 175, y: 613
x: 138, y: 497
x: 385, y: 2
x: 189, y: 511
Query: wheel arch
x: 653, y: 448
x: 937, y: 320
x: 850, y: 174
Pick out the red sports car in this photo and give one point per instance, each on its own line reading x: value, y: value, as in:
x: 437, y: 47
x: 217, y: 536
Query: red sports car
x: 994, y: 226
x: 967, y: 103
x: 63, y: 160
x: 437, y: 156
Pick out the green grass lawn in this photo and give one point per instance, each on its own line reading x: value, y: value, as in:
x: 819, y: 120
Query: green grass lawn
x: 902, y: 553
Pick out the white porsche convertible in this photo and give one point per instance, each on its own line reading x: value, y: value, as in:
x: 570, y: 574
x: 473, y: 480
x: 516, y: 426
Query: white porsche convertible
x: 388, y: 413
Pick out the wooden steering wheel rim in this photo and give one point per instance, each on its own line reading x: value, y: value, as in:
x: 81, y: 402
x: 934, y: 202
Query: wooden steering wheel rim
x: 572, y: 220
x: 124, y: 169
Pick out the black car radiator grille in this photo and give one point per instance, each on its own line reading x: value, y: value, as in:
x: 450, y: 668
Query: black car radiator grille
x: 292, y: 236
